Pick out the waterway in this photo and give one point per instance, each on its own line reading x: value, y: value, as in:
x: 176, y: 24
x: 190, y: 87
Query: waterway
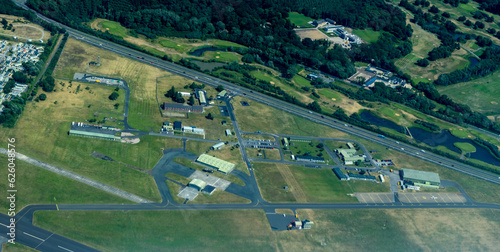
x: 207, y: 65
x: 443, y: 138
x: 199, y: 52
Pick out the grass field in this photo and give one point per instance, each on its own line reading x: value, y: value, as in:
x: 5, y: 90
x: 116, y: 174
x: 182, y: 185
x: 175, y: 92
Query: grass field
x: 222, y: 56
x: 270, y: 154
x: 307, y: 184
x: 301, y: 148
x: 38, y: 186
x: 18, y: 247
x: 477, y: 189
x: 301, y: 81
x: 114, y: 28
x: 250, y: 119
x: 299, y: 19
x: 24, y: 29
x: 219, y: 197
x: 465, y: 147
x: 368, y: 36
x: 334, y: 230
x: 480, y: 95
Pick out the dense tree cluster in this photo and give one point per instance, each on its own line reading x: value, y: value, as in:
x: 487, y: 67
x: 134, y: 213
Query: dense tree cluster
x: 261, y: 25
x: 428, y: 125
x: 176, y: 96
x: 12, y: 110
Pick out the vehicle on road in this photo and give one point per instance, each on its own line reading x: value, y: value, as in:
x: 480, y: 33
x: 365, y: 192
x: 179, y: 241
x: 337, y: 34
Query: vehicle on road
x: 100, y: 44
x: 309, y: 112
x: 244, y: 94
x: 251, y: 91
x: 402, y: 148
x: 397, y: 142
x: 422, y: 151
x: 322, y: 116
x: 345, y: 125
x: 382, y: 136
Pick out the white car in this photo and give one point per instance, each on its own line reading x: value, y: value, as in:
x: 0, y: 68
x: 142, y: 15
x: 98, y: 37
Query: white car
x: 402, y: 148
x: 422, y: 151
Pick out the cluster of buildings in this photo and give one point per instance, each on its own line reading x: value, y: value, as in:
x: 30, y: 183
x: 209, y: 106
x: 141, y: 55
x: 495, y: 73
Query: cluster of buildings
x: 370, y: 75
x: 330, y: 26
x: 349, y: 155
x: 298, y: 224
x: 177, y: 126
x: 94, y: 131
x: 308, y: 158
x: 202, y: 186
x: 12, y: 56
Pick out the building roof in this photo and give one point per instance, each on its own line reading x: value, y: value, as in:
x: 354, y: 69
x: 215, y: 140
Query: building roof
x: 339, y: 173
x: 221, y: 165
x: 177, y: 124
x: 218, y: 145
x: 420, y: 175
x: 198, y: 183
x: 178, y: 106
x: 92, y: 130
x: 308, y: 157
x: 222, y: 93
x: 359, y: 176
x: 208, y: 189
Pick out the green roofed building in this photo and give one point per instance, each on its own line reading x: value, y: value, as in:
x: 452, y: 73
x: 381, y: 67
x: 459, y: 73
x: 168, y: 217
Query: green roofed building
x: 421, y: 178
x: 197, y: 184
x: 219, y: 164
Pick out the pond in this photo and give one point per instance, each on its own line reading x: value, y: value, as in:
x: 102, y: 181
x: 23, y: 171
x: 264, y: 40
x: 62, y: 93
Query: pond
x: 207, y: 65
x: 473, y: 61
x: 443, y: 138
x: 199, y: 52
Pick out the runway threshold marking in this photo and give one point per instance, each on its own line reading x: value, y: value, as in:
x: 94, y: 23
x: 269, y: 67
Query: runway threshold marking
x: 33, y: 236
x: 65, y: 248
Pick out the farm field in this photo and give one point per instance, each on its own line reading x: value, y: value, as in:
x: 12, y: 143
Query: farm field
x: 480, y: 94
x: 311, y: 33
x: 379, y: 230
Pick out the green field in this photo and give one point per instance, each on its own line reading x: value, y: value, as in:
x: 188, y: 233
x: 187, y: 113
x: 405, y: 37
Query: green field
x: 330, y: 94
x: 311, y: 148
x: 465, y: 147
x: 334, y: 230
x: 114, y: 28
x: 299, y: 20
x: 38, y: 186
x: 481, y: 95
x: 301, y: 81
x: 18, y: 247
x: 368, y: 36
x: 157, y: 230
x: 307, y: 184
x: 222, y: 56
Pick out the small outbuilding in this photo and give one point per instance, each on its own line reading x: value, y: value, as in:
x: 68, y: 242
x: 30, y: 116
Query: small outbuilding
x: 197, y: 184
x: 208, y: 190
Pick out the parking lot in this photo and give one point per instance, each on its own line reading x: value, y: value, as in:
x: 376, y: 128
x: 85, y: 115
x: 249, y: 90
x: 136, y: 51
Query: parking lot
x: 263, y: 144
x: 188, y: 193
x: 418, y: 198
x: 375, y: 197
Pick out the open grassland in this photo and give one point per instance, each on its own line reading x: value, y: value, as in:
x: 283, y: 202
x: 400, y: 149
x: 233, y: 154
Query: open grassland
x: 141, y: 78
x: 465, y: 147
x: 285, y: 85
x: 38, y: 186
x: 368, y: 35
x: 174, y: 190
x: 191, y: 164
x: 17, y: 247
x: 221, y: 56
x: 301, y: 81
x: 219, y: 197
x: 269, y: 154
x: 198, y: 147
x: 307, y: 184
x: 24, y: 29
x: 390, y: 230
x: 311, y: 148
x: 423, y: 42
x: 480, y: 95
x: 156, y: 230
x: 477, y: 189
x: 250, y: 119
x: 311, y: 33
x: 299, y: 19
x: 334, y: 230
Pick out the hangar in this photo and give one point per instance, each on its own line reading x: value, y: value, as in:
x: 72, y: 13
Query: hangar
x: 219, y: 164
x: 421, y: 178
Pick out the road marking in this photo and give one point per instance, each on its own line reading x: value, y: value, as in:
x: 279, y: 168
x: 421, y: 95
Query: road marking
x: 4, y: 225
x: 33, y: 236
x: 57, y: 207
x: 65, y: 249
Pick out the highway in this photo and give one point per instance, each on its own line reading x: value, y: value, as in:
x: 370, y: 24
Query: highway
x: 43, y: 240
x: 276, y: 103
